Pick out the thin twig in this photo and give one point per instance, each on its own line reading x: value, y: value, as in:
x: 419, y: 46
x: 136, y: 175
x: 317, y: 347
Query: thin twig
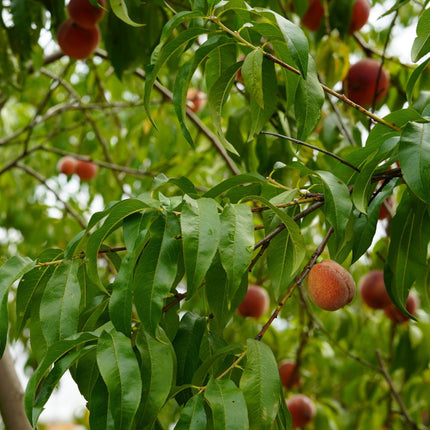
x: 394, y: 392
x: 315, y: 148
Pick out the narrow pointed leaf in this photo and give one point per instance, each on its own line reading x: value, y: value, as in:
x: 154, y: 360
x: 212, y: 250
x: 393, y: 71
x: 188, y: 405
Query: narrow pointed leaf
x: 253, y: 76
x: 156, y: 269
x: 119, y: 8
x: 120, y: 371
x: 237, y: 241
x: 200, y: 226
x: 59, y: 307
x: 12, y: 270
x: 421, y: 44
x: 260, y: 384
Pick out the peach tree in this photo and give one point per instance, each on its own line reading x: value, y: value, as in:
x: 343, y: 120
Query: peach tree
x: 131, y: 280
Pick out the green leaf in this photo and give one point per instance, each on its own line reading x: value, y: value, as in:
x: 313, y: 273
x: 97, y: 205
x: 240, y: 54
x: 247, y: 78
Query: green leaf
x: 193, y: 416
x: 253, y: 76
x: 308, y: 102
x: 235, y: 181
x: 54, y: 353
x: 414, y: 158
x: 120, y: 371
x: 218, y: 94
x: 183, y: 39
x: 413, y: 79
x: 119, y: 8
x: 59, y: 307
x: 117, y: 214
x: 157, y: 379
x: 156, y: 269
x: 261, y: 114
x: 337, y: 202
x: 421, y: 44
x: 20, y: 35
x: 187, y: 346
x: 297, y: 42
x: 236, y: 244
x: 200, y: 226
x: 227, y: 404
x: 185, y: 74
x: 31, y: 286
x: 12, y: 270
x: 121, y: 301
x: 407, y: 253
x: 99, y: 408
x: 260, y: 384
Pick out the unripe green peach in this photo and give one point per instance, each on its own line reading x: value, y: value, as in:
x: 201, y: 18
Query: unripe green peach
x: 373, y: 291
x: 256, y: 302
x: 330, y: 286
x: 302, y: 410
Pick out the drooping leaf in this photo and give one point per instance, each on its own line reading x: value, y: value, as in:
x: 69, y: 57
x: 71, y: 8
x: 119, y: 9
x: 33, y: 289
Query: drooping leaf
x: 260, y: 384
x: 59, y: 307
x: 99, y: 407
x: 228, y: 405
x: 119, y: 8
x: 413, y: 79
x: 253, y: 76
x: 421, y: 44
x: 120, y: 371
x: 410, y: 237
x: 414, y: 158
x: 156, y: 269
x: 54, y: 353
x: 308, y: 102
x: 235, y: 181
x: 12, y: 270
x: 236, y: 244
x: 157, y: 379
x: 200, y: 227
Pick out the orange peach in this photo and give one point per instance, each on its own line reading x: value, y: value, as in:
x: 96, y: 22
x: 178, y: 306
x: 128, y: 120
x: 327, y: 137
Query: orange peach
x: 86, y: 170
x: 67, y: 165
x: 330, y: 286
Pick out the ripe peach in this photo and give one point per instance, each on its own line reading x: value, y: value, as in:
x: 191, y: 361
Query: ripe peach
x: 86, y: 170
x: 255, y: 303
x: 360, y: 15
x: 83, y: 13
x: 360, y: 82
x: 77, y: 42
x: 288, y: 373
x: 373, y: 291
x: 395, y: 315
x: 313, y: 16
x: 330, y: 286
x: 302, y: 410
x: 196, y: 99
x: 67, y: 165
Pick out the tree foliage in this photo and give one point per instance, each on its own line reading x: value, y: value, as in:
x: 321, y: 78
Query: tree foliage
x: 131, y: 281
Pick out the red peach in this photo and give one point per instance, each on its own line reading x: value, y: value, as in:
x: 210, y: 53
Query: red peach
x: 86, y: 170
x: 83, y: 13
x: 67, y: 165
x: 395, y: 315
x: 373, y: 291
x: 330, y: 286
x: 77, y: 42
x: 360, y: 82
x: 312, y: 18
x: 302, y: 410
x: 255, y: 303
x: 289, y: 375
